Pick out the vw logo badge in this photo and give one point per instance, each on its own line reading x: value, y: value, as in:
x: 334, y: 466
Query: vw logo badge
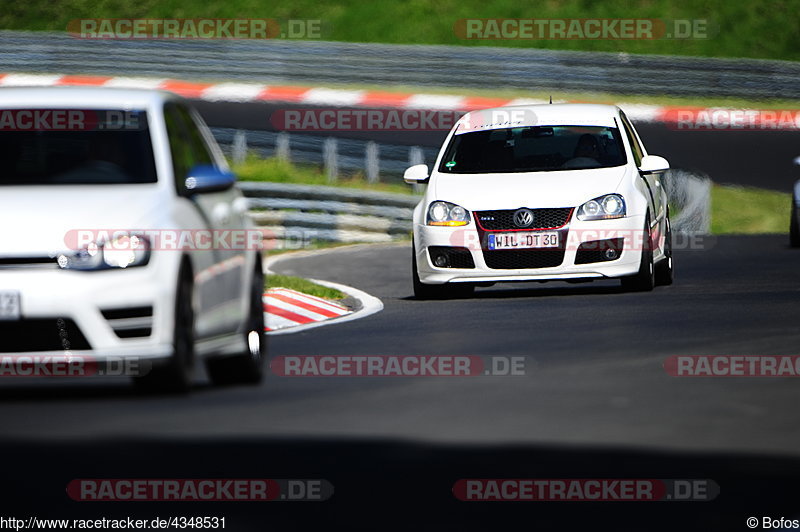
x: 523, y: 218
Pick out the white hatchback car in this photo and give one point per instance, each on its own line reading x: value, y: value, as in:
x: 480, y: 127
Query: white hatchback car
x: 541, y: 192
x: 125, y: 237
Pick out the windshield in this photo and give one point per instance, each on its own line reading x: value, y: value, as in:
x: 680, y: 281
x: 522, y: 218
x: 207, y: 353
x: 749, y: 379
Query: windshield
x: 112, y: 148
x: 533, y: 149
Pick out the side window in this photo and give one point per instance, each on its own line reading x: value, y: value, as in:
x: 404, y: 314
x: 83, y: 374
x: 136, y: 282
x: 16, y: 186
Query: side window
x: 179, y: 145
x: 201, y: 153
x: 638, y: 153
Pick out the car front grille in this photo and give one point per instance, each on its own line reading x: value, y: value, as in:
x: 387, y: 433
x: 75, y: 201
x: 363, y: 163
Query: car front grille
x: 40, y: 334
x: 503, y: 220
x: 522, y: 259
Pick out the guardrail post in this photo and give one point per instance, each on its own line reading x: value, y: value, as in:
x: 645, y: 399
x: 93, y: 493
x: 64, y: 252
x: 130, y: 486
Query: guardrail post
x: 372, y: 162
x: 282, y: 148
x: 239, y: 149
x: 330, y: 158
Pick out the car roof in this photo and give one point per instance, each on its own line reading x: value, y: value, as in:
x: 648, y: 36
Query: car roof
x: 83, y: 97
x: 560, y: 114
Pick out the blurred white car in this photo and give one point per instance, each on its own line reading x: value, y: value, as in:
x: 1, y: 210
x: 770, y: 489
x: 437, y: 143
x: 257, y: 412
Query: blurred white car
x: 542, y: 192
x: 125, y: 237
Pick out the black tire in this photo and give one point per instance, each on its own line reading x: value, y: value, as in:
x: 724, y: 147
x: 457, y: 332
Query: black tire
x: 794, y: 229
x: 665, y: 268
x: 644, y: 279
x: 436, y: 291
x: 176, y: 375
x: 247, y: 368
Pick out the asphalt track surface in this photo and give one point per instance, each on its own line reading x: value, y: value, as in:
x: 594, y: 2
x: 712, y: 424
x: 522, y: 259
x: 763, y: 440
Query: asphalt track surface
x: 595, y: 403
x: 750, y: 158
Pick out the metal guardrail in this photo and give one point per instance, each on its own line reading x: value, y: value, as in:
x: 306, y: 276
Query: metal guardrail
x: 309, y: 149
x: 276, y: 61
x: 294, y: 215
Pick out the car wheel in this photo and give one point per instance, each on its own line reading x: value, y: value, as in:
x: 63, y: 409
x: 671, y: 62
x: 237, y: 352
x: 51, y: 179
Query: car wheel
x: 248, y: 367
x: 665, y: 269
x: 176, y: 375
x: 794, y: 229
x: 436, y: 291
x: 644, y: 280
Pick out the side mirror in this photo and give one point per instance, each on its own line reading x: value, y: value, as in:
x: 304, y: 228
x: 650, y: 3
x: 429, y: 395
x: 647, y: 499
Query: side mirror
x: 207, y: 178
x: 653, y: 164
x: 416, y: 174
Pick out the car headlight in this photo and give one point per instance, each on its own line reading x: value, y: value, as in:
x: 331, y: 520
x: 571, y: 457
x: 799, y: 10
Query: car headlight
x: 603, y: 208
x: 122, y: 251
x: 446, y: 213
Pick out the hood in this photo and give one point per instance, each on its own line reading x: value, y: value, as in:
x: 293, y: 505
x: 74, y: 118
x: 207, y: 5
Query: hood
x: 569, y: 188
x: 35, y: 220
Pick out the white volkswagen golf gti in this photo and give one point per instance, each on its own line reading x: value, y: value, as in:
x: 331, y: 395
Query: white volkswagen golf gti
x: 124, y: 238
x: 541, y: 192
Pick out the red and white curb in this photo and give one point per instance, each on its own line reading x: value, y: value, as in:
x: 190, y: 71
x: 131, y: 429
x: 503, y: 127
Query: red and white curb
x: 284, y: 308
x: 368, y: 305
x: 308, y: 312
x: 253, y: 92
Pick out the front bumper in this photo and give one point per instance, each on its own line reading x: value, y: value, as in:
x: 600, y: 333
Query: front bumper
x: 574, y: 234
x: 51, y: 297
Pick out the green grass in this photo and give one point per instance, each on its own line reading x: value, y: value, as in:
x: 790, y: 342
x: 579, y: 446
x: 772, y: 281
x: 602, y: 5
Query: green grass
x: 302, y: 285
x: 765, y: 29
x: 277, y: 171
x: 744, y: 210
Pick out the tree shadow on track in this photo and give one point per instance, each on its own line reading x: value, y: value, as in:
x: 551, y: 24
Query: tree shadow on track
x: 48, y: 389
x: 393, y: 484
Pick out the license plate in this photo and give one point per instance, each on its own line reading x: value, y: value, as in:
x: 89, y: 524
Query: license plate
x: 523, y: 240
x: 9, y: 306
